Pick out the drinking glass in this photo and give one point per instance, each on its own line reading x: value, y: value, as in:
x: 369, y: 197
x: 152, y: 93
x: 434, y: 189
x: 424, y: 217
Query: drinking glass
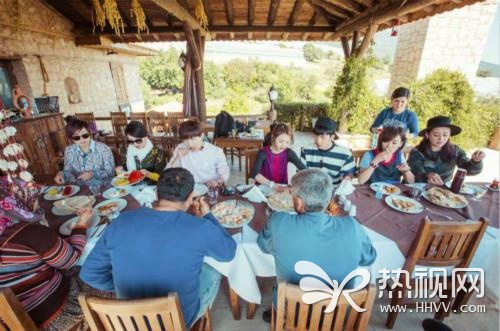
x: 415, y: 193
x: 95, y: 188
x: 213, y: 195
x: 114, y: 214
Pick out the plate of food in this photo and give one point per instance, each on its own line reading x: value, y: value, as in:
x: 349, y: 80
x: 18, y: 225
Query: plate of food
x: 444, y: 198
x: 115, y: 192
x: 494, y: 186
x: 233, y: 213
x: 128, y: 178
x: 200, y: 189
x: 281, y: 201
x: 107, y: 207
x: 333, y: 209
x: 61, y: 192
x: 66, y: 228
x: 386, y: 188
x: 404, y: 204
x: 69, y: 206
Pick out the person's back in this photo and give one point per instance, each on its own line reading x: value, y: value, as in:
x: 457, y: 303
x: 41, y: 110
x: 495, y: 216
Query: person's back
x: 337, y: 244
x: 151, y: 252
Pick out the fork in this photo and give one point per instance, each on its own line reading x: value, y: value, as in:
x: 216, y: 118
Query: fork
x: 438, y: 214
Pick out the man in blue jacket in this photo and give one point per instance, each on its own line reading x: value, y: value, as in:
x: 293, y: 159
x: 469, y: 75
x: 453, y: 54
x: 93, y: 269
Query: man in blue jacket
x: 148, y: 253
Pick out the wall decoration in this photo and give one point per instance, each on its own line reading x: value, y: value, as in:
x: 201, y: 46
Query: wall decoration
x: 72, y: 90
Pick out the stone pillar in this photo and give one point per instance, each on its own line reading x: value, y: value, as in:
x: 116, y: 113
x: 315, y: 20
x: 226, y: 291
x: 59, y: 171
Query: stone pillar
x: 453, y: 40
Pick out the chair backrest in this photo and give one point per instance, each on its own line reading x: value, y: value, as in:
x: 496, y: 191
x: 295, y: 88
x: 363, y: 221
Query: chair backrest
x: 157, y: 122
x: 293, y: 314
x: 13, y: 316
x: 119, y: 122
x: 174, y: 119
x: 144, y: 314
x: 89, y: 118
x: 250, y: 158
x: 357, y: 155
x: 445, y: 243
x: 139, y: 117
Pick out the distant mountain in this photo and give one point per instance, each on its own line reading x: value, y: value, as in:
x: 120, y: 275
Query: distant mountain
x: 488, y: 69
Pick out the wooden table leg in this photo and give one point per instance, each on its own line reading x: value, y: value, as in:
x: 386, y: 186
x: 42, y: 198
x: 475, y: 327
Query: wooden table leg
x: 235, y: 304
x: 251, y: 309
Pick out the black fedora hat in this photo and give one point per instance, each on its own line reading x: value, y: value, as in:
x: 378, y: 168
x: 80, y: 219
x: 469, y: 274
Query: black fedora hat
x: 440, y: 122
x: 325, y: 125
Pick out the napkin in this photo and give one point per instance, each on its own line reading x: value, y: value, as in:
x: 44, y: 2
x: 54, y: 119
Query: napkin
x: 255, y: 195
x: 345, y: 188
x: 145, y: 196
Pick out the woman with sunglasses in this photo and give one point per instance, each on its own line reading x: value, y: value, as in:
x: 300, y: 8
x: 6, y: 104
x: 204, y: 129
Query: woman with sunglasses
x: 85, y: 161
x: 141, y: 154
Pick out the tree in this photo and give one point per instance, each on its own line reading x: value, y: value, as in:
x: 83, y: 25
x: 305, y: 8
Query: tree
x: 312, y: 53
x: 215, y: 85
x: 162, y: 71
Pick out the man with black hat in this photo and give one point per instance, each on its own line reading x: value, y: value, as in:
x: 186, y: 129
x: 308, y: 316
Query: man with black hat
x: 336, y: 160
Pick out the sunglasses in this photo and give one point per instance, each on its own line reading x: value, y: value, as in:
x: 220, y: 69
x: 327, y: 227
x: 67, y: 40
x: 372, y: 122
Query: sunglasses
x: 135, y: 141
x: 83, y: 136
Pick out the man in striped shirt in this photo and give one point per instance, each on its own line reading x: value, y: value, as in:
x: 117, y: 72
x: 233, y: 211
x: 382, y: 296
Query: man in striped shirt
x: 336, y: 160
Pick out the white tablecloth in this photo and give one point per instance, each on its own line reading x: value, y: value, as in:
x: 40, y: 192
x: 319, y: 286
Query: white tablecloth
x: 251, y: 262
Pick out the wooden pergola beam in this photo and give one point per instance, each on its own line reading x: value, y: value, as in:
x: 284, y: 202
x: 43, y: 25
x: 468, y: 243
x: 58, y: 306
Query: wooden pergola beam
x: 325, y: 16
x: 355, y: 39
x: 295, y: 11
x: 347, y: 5
x: 367, y: 40
x: 174, y: 8
x: 251, y: 12
x: 332, y: 9
x: 345, y: 46
x: 228, y: 4
x: 207, y: 11
x: 87, y: 32
x: 273, y: 10
x: 193, y: 48
x: 380, y: 14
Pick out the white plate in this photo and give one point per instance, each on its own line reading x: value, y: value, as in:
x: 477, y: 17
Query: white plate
x: 65, y: 228
x: 113, y: 182
x: 457, y: 206
x: 233, y: 209
x: 200, y: 189
x: 376, y: 186
x: 74, y: 203
x: 62, y: 212
x: 417, y: 208
x: 74, y: 190
x: 121, y: 204
x: 492, y: 189
x: 278, y: 208
x: 115, y: 192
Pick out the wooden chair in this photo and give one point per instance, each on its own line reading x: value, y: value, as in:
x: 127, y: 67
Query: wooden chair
x: 144, y: 314
x: 139, y: 117
x: 13, y: 316
x: 119, y: 122
x: 89, y: 118
x: 157, y: 122
x: 250, y: 158
x: 173, y: 120
x: 293, y: 314
x: 438, y: 244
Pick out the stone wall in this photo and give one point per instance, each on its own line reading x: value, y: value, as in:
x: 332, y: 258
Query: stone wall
x: 454, y: 40
x: 43, y: 32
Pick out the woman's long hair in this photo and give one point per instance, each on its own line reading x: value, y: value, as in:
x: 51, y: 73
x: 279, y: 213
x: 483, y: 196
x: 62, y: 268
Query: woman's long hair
x: 447, y: 152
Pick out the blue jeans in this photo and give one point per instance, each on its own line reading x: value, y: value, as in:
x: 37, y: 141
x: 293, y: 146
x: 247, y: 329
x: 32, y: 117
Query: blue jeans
x: 209, y: 287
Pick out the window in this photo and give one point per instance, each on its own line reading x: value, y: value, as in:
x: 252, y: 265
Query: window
x: 6, y: 84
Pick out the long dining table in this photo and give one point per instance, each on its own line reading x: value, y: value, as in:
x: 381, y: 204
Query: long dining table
x: 390, y: 231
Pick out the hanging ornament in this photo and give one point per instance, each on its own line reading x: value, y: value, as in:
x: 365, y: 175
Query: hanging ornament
x: 140, y: 18
x: 98, y: 14
x: 199, y: 12
x: 113, y: 16
x: 394, y: 32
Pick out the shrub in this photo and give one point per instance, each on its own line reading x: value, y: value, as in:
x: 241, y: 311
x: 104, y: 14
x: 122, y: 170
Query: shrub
x: 448, y: 93
x: 300, y: 114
